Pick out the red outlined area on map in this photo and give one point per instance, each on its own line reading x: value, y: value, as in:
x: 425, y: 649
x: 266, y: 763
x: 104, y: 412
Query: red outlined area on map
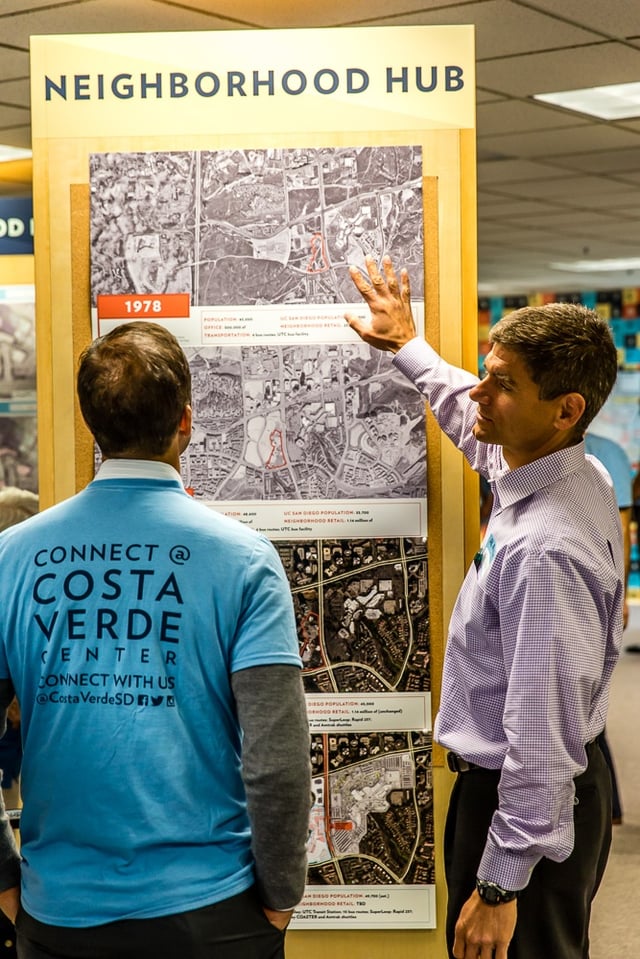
x: 318, y: 261
x: 277, y: 458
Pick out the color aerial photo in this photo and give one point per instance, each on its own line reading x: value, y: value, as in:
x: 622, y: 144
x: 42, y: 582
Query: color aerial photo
x: 362, y: 613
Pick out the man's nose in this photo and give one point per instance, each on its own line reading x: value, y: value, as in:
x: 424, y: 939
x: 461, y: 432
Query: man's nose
x: 478, y: 392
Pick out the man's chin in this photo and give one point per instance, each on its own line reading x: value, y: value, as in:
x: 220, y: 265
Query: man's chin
x: 481, y: 433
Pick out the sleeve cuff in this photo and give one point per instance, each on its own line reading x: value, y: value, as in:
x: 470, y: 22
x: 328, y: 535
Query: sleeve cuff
x: 506, y: 869
x: 10, y: 871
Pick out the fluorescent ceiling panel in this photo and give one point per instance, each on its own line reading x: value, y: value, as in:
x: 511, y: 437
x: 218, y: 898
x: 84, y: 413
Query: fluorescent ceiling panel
x: 616, y: 101
x: 598, y: 266
x: 13, y: 153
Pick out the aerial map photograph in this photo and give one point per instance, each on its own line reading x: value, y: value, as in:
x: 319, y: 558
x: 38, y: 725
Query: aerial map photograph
x: 321, y: 426
x: 252, y: 227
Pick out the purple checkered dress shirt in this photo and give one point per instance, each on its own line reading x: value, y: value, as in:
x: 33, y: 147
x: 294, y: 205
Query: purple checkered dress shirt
x: 535, y: 632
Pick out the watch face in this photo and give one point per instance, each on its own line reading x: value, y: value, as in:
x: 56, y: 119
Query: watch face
x: 492, y: 894
x: 488, y: 893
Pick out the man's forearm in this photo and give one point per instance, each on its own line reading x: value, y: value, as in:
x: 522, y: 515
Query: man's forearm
x: 9, y: 855
x: 10, y: 902
x: 276, y: 773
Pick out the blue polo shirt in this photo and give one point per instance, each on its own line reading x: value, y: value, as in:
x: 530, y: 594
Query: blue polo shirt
x: 124, y: 610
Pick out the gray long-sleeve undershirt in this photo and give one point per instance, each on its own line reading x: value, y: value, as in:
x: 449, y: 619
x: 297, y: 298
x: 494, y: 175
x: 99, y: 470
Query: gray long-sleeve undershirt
x: 277, y: 777
x: 9, y: 855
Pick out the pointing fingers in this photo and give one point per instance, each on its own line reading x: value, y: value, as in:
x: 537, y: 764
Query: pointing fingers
x: 391, y: 324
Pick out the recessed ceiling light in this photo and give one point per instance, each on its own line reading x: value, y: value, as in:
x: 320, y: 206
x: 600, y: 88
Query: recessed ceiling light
x: 616, y: 101
x: 598, y: 266
x: 13, y: 153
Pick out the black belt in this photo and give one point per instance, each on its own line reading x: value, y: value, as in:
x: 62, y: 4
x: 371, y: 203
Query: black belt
x: 459, y: 765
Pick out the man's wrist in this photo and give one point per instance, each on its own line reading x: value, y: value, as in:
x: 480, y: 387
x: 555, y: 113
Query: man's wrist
x: 493, y: 894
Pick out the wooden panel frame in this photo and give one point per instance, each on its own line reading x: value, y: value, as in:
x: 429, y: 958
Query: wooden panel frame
x: 319, y: 944
x: 62, y: 277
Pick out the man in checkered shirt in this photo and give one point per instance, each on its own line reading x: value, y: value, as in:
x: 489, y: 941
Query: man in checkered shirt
x: 536, y: 629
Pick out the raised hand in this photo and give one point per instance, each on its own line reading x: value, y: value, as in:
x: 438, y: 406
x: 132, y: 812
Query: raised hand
x: 391, y: 324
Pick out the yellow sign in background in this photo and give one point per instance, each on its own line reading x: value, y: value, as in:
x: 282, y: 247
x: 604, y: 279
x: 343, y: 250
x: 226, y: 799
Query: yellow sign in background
x: 265, y: 89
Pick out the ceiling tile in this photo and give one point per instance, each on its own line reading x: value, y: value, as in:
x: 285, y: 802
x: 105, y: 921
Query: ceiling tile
x: 521, y: 28
x: 491, y: 206
x: 102, y: 16
x: 16, y: 136
x: 602, y: 199
x: 12, y: 116
x: 9, y: 7
x: 516, y: 115
x: 621, y: 19
x: 13, y: 63
x: 486, y: 96
x: 512, y: 170
x: 630, y: 178
x: 601, y: 161
x: 308, y: 13
x: 567, y: 222
x: 15, y: 92
x: 562, y: 141
x: 564, y: 188
x: 523, y: 76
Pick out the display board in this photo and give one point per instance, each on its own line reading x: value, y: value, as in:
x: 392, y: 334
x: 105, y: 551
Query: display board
x: 18, y: 435
x: 16, y: 226
x: 231, y: 215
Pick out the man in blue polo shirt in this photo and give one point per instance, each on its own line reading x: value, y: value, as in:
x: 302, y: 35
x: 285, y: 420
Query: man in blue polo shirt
x: 152, y: 645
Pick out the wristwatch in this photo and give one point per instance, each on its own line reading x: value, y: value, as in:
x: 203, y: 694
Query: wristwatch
x: 493, y: 894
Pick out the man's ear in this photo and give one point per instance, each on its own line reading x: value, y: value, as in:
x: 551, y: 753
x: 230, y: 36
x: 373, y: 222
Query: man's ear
x: 570, y: 409
x: 184, y: 428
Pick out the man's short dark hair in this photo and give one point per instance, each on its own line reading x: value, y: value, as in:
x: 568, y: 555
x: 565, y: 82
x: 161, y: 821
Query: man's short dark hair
x: 567, y: 348
x: 133, y: 385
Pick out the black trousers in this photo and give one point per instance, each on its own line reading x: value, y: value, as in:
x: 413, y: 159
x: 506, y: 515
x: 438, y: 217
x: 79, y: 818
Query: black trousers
x: 616, y: 802
x: 235, y: 928
x: 555, y: 908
